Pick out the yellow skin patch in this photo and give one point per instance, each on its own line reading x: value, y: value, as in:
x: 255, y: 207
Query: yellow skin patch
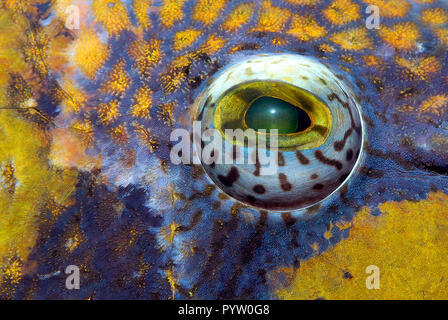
x: 73, y: 98
x: 175, y: 77
x: 167, y: 235
x: 376, y: 241
x: 142, y: 103
x: 12, y: 271
x: 442, y: 34
x: 15, y: 4
x: 35, y: 50
x: 206, y: 11
x: 84, y: 131
x: 421, y: 68
x: 372, y: 61
x: 185, y: 38
x: 68, y: 150
x: 402, y: 36
x: 341, y: 12
x: 146, y: 54
x: 146, y: 137
x: 436, y: 104
x: 238, y: 17
x: 353, y: 39
x: 29, y: 182
x: 10, y: 58
x: 172, y: 281
x: 165, y: 113
x: 108, y: 112
x: 434, y: 16
x: 304, y: 2
x: 391, y: 8
x: 74, y: 241
x: 212, y: 45
x: 272, y: 18
x: 25, y: 148
x: 325, y: 47
x: 112, y: 14
x: 118, y: 80
x: 141, y: 9
x: 278, y: 41
x: 89, y: 53
x: 171, y: 12
x: 348, y: 59
x: 119, y: 134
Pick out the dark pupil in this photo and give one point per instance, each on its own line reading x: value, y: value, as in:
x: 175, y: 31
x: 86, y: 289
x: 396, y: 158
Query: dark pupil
x: 272, y: 113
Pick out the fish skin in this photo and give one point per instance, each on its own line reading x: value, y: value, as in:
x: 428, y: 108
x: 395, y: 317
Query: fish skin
x: 152, y: 230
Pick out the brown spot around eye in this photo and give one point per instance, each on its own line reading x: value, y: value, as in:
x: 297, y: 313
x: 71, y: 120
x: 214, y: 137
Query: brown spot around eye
x: 216, y: 205
x: 314, y: 209
x: 223, y: 196
x: 318, y: 186
x: 339, y: 145
x: 284, y: 184
x: 330, y: 162
x: 349, y: 155
x: 343, y: 177
x: 281, y: 159
x: 232, y: 176
x: 289, y: 219
x: 302, y: 159
x: 251, y: 199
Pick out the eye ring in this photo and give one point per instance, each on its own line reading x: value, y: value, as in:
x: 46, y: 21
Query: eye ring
x: 308, y: 171
x: 231, y: 115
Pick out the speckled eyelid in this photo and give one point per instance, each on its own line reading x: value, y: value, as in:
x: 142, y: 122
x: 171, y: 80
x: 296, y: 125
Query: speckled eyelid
x: 305, y: 176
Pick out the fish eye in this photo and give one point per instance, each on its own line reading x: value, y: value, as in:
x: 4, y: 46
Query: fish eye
x: 313, y: 116
x: 267, y: 113
x: 302, y: 120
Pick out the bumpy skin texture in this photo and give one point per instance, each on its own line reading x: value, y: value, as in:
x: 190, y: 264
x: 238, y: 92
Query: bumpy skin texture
x: 141, y: 228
